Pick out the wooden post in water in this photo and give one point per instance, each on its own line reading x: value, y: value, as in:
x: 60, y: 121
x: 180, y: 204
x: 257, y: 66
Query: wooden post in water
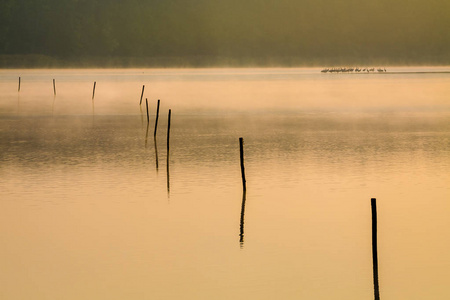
x: 142, y: 94
x: 146, y: 105
x: 157, y: 117
x: 54, y: 87
x: 168, y: 151
x: 373, y: 202
x: 168, y: 132
x: 19, y: 86
x: 241, y: 148
x: 93, y: 90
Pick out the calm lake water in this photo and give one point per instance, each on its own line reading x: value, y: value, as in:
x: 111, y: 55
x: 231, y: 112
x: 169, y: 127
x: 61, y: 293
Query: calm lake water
x: 91, y: 208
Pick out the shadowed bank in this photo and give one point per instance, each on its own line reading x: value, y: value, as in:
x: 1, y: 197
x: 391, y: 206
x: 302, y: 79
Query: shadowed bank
x: 70, y: 33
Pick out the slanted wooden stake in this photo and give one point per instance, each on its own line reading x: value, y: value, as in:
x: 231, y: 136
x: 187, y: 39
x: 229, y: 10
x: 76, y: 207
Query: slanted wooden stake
x: 54, y: 87
x: 241, y: 147
x: 142, y: 94
x: 373, y: 202
x: 93, y: 90
x: 157, y: 117
x: 19, y: 86
x: 146, y: 106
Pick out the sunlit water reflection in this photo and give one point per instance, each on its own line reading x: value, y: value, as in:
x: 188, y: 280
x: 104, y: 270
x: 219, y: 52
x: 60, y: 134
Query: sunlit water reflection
x: 86, y: 214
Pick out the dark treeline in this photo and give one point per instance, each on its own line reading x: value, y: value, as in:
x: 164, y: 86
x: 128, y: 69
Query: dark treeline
x: 218, y: 32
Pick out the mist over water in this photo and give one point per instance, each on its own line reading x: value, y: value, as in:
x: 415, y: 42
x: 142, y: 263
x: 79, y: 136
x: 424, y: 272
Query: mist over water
x: 85, y: 209
x: 224, y: 90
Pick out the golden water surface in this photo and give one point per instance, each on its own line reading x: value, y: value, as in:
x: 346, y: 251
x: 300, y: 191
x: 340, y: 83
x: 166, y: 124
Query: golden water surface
x: 91, y: 208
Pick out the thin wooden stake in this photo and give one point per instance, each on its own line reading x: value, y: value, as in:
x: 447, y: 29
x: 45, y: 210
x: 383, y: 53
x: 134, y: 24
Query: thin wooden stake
x: 19, y: 86
x: 241, y: 148
x: 168, y: 132
x: 168, y: 151
x: 373, y: 202
x: 157, y: 117
x: 146, y: 106
x: 54, y: 87
x: 93, y: 90
x: 142, y: 94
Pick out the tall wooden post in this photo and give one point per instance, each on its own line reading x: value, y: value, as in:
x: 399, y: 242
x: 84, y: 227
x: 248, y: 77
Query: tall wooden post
x: 373, y: 202
x: 241, y: 148
x: 168, y: 132
x: 157, y: 117
x: 168, y: 151
x: 146, y: 106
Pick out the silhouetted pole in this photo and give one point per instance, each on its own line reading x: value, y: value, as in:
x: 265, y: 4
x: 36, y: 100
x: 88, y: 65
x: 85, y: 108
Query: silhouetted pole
x: 93, y: 90
x: 142, y: 94
x: 241, y: 147
x: 168, y: 150
x: 146, y: 106
x: 157, y: 117
x: 168, y: 132
x: 19, y: 86
x: 373, y: 202
x: 54, y: 87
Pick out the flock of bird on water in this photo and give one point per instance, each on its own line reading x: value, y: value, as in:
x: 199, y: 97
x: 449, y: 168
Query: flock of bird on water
x: 349, y: 70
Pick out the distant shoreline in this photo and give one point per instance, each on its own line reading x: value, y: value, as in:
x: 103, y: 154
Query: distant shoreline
x: 393, y: 73
x: 37, y: 61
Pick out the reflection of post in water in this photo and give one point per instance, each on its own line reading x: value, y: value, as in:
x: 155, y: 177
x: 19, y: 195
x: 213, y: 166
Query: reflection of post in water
x: 156, y: 152
x: 168, y: 150
x: 18, y: 103
x: 374, y: 248
x: 168, y: 175
x: 241, y: 234
x: 146, y: 135
x: 142, y: 117
x: 53, y: 105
